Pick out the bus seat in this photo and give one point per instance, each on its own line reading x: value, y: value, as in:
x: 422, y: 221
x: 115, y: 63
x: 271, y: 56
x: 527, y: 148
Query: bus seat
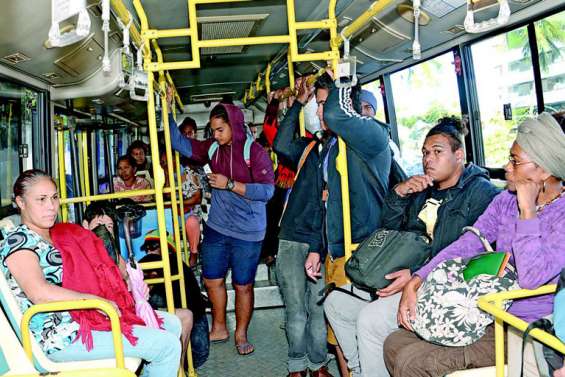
x: 41, y: 361
x: 8, y: 223
x: 14, y: 362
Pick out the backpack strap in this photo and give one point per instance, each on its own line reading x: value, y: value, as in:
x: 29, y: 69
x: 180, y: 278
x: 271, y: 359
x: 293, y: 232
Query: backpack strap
x: 301, y: 162
x: 247, y: 150
x: 325, y: 292
x: 213, y: 148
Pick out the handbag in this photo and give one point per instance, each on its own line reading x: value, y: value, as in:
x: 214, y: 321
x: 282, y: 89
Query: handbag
x: 446, y: 310
x: 385, y: 251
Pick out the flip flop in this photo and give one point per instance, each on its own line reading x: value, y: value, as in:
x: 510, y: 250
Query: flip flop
x: 242, y: 347
x: 218, y: 341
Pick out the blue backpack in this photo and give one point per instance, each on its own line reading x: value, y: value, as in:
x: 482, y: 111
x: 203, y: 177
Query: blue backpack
x: 246, y: 150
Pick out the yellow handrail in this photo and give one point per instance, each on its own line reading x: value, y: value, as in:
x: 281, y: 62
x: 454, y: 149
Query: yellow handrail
x: 73, y: 305
x: 493, y: 304
x: 62, y: 174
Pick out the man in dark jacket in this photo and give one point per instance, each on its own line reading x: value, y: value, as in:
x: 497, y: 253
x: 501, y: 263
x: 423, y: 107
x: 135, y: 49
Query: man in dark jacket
x: 438, y: 204
x: 301, y: 234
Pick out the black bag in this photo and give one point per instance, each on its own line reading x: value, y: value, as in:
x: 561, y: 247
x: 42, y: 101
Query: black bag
x: 385, y: 251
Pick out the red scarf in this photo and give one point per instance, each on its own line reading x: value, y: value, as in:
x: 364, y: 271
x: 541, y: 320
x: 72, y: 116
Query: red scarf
x: 87, y: 268
x: 284, y: 176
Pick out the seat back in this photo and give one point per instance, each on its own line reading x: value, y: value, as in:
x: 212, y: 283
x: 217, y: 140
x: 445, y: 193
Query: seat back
x: 14, y: 360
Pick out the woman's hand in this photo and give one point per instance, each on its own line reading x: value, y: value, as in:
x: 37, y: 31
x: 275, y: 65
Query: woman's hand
x: 407, y: 306
x: 527, y: 192
x: 218, y: 181
x: 305, y: 91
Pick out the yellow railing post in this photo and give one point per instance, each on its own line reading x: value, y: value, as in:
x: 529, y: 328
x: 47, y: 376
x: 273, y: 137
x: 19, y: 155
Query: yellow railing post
x: 86, y: 170
x: 62, y: 174
x: 74, y: 305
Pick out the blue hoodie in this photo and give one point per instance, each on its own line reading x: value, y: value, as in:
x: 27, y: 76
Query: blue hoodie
x: 233, y: 215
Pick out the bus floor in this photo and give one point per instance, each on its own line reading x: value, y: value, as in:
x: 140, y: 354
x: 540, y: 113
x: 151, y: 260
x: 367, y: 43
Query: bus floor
x: 266, y: 332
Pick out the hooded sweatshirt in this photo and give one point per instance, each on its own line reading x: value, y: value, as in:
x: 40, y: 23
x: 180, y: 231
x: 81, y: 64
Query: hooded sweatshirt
x: 233, y: 215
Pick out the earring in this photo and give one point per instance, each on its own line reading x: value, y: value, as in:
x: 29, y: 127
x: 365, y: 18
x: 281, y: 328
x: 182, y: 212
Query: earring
x: 543, y: 188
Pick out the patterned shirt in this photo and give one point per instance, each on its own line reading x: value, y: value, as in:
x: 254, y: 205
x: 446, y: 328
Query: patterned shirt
x: 53, y: 331
x: 139, y: 184
x: 194, y: 180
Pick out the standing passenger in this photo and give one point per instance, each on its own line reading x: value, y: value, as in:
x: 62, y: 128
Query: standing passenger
x: 368, y: 160
x: 300, y: 234
x: 237, y: 221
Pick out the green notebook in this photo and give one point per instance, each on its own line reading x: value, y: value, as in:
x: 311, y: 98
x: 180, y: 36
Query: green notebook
x: 492, y: 263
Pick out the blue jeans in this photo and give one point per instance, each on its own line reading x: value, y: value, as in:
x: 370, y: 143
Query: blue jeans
x: 306, y: 331
x: 160, y: 348
x: 220, y: 252
x: 200, y: 341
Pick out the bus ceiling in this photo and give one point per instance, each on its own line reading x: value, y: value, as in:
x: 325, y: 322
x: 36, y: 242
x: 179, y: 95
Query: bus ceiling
x: 28, y: 42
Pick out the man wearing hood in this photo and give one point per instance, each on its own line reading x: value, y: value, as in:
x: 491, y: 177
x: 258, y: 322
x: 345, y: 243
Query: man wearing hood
x: 301, y: 234
x: 236, y: 223
x: 439, y: 203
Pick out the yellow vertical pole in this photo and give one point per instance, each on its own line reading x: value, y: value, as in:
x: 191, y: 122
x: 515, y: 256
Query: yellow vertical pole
x: 341, y: 161
x: 86, y: 170
x: 292, y: 80
x: 185, y: 250
x: 499, y: 343
x: 159, y: 183
x: 62, y: 175
x: 171, y: 173
x: 268, y: 79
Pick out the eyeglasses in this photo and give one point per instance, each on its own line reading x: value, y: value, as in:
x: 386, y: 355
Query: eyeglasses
x: 515, y: 163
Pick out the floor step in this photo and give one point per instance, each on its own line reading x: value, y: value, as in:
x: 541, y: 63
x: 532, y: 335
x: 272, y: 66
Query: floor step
x: 266, y: 296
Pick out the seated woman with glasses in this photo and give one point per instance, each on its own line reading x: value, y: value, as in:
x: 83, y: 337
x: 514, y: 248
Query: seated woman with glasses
x: 526, y: 220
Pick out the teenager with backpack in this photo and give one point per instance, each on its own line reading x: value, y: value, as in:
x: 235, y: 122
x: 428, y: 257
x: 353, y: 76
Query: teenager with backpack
x: 242, y: 182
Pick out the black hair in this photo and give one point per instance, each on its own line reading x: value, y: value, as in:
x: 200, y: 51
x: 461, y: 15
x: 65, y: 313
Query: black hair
x: 28, y: 178
x: 219, y: 111
x: 137, y: 144
x: 262, y: 140
x: 101, y: 208
x: 188, y: 122
x: 560, y: 118
x: 451, y: 127
x: 324, y: 82
x: 128, y: 158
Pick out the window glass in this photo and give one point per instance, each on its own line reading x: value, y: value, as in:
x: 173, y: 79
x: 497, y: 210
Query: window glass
x: 550, y: 36
x: 505, y: 88
x: 18, y: 110
x: 423, y: 94
x: 375, y: 88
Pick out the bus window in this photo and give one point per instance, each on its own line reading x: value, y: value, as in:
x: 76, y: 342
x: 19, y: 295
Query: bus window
x: 550, y: 36
x: 505, y: 89
x: 18, y: 113
x: 423, y: 94
x: 375, y: 88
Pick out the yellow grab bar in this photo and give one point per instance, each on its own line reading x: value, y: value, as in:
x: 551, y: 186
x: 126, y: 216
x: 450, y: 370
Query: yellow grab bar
x: 74, y: 305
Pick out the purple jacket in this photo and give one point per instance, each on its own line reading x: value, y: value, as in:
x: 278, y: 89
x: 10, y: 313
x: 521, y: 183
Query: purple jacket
x: 537, y: 246
x: 241, y: 217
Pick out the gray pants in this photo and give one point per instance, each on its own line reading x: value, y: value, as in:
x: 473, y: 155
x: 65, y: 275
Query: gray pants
x: 305, y: 325
x: 361, y: 329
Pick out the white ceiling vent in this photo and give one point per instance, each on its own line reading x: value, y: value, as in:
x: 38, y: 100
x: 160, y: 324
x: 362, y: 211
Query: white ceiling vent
x: 212, y: 97
x: 224, y: 27
x: 16, y: 58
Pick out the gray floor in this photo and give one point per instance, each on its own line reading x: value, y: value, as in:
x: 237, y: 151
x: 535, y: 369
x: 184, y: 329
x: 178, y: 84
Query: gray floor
x: 269, y: 358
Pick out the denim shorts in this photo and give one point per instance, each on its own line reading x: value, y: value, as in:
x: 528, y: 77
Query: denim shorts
x: 220, y: 252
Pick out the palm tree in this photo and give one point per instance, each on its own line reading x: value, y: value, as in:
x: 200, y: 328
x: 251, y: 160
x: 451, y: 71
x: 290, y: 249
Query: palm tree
x: 550, y: 35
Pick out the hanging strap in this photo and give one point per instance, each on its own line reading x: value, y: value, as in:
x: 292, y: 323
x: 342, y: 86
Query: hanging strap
x: 301, y: 162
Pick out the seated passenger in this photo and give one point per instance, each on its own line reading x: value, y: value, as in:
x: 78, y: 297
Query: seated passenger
x: 527, y: 220
x: 195, y: 301
x: 446, y: 198
x: 127, y: 180
x: 138, y: 151
x: 32, y: 266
